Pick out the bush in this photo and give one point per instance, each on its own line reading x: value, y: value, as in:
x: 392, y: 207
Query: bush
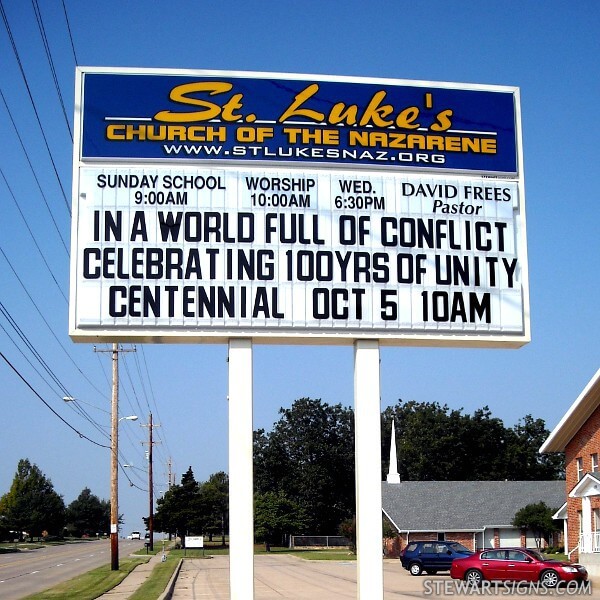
x: 348, y: 529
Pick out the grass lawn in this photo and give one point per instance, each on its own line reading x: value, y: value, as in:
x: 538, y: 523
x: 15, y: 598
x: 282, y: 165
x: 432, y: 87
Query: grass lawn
x: 91, y: 584
x: 326, y: 554
x: 155, y: 585
x: 557, y: 556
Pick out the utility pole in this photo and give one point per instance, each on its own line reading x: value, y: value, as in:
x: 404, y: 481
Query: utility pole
x: 170, y: 479
x: 114, y: 463
x: 114, y: 457
x: 151, y: 443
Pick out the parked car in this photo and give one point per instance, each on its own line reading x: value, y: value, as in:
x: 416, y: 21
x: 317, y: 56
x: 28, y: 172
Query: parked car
x: 134, y: 535
x: 431, y: 557
x: 517, y: 564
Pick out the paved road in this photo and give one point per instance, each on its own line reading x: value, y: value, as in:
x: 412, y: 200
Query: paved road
x: 27, y: 572
x: 279, y: 577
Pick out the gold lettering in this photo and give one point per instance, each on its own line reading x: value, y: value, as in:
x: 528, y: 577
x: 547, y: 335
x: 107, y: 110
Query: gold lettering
x: 340, y: 113
x: 115, y: 132
x: 180, y: 94
x: 295, y: 110
x: 406, y: 119
x: 443, y: 120
x: 488, y: 146
x: 232, y: 104
x: 375, y: 113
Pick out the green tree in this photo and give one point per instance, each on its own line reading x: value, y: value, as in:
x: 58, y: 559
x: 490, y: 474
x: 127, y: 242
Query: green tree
x: 523, y: 452
x: 88, y: 515
x: 437, y: 443
x: 179, y: 511
x: 31, y: 504
x: 538, y: 519
x: 275, y: 517
x: 214, y: 500
x: 4, y: 530
x: 309, y: 458
x: 430, y: 438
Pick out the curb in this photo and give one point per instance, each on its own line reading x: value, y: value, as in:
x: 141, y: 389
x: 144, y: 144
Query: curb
x: 168, y: 593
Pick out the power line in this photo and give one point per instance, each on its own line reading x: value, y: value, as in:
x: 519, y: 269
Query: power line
x: 69, y: 30
x: 82, y: 412
x: 81, y: 435
x: 40, y: 22
x: 166, y: 446
x: 32, y: 348
x: 144, y: 385
x: 37, y: 116
x: 33, y: 172
x: 48, y: 324
x: 33, y: 236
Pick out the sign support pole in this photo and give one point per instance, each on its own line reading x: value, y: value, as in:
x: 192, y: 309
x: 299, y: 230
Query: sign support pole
x: 241, y: 480
x: 367, y: 426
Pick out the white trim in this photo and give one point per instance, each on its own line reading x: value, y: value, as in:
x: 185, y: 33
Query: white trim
x: 561, y: 513
x: 297, y: 76
x: 391, y: 520
x: 588, y: 485
x: 574, y: 418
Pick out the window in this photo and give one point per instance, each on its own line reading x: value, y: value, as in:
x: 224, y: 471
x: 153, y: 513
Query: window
x: 594, y: 457
x: 516, y: 555
x: 494, y: 555
x: 596, y: 519
x: 579, y: 468
x: 441, y: 537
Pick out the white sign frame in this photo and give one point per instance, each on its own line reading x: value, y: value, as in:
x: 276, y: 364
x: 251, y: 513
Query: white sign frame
x: 455, y: 322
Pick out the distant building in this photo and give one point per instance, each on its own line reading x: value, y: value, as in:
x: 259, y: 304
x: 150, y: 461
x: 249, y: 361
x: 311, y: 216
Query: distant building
x: 578, y: 436
x: 478, y: 514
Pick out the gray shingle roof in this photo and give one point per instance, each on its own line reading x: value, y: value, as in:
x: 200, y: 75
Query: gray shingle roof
x: 464, y: 505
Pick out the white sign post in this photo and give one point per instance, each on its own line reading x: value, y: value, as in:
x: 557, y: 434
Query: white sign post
x: 241, y: 482
x: 367, y: 432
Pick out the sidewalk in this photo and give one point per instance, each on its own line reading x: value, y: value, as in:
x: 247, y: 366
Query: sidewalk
x: 289, y: 577
x: 134, y: 580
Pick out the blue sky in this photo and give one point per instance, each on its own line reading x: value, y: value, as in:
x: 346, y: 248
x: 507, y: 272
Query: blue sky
x: 548, y: 49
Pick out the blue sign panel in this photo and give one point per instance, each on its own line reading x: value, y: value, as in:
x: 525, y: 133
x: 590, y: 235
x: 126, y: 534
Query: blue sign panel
x: 269, y: 118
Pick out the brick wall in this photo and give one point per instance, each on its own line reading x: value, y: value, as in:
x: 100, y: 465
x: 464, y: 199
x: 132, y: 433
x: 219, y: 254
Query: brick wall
x: 584, y: 443
x: 466, y: 538
x: 392, y: 547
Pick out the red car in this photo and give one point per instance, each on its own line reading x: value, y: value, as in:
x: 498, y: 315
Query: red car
x: 516, y: 564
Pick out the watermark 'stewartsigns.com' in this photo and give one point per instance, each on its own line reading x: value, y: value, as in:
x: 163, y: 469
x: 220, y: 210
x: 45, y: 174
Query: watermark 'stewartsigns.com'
x: 438, y: 588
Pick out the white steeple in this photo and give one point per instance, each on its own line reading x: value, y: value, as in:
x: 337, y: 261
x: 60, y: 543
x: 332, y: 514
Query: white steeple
x: 393, y: 476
